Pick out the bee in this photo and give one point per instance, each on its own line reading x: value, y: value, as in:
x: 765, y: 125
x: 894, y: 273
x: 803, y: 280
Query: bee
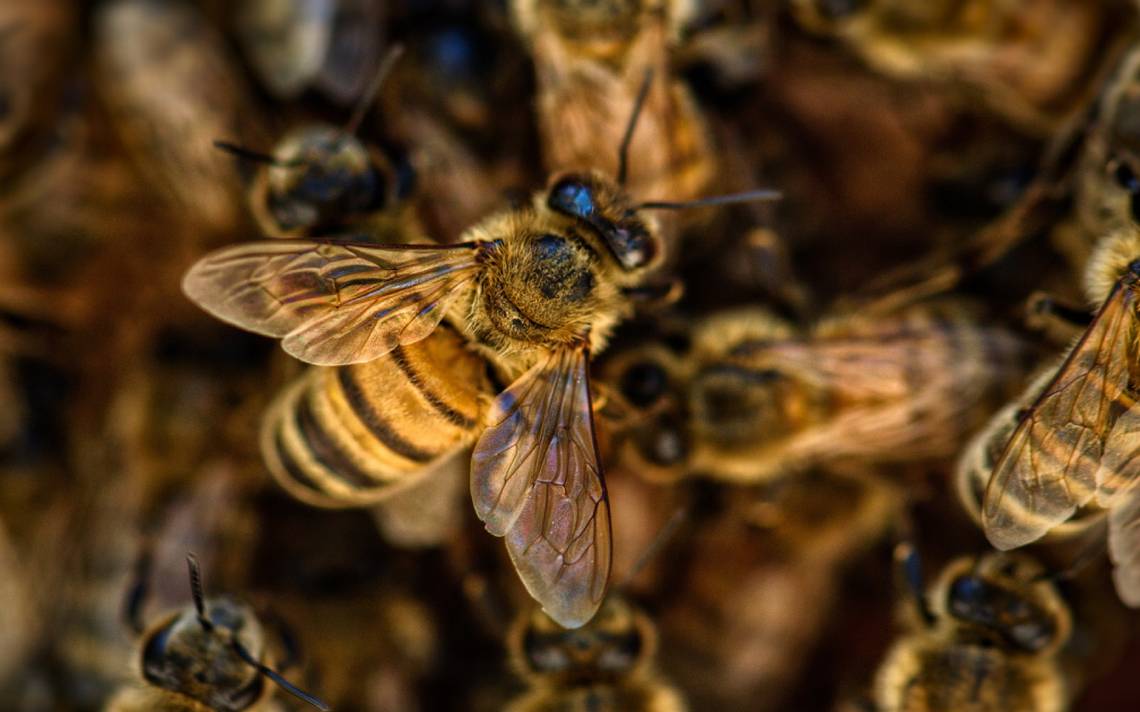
x: 1033, y: 64
x: 528, y: 294
x: 171, y: 87
x: 590, y: 60
x: 331, y: 45
x: 606, y: 665
x: 753, y: 398
x: 322, y: 179
x: 212, y: 655
x: 986, y: 636
x: 1074, y: 444
x: 759, y: 580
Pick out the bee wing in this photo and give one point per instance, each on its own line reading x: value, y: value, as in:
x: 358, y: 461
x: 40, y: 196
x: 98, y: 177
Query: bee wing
x: 331, y: 302
x: 1052, y: 463
x: 1123, y: 524
x: 536, y: 479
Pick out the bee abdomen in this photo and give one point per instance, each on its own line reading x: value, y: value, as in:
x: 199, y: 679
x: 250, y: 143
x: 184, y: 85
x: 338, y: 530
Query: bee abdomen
x: 352, y: 435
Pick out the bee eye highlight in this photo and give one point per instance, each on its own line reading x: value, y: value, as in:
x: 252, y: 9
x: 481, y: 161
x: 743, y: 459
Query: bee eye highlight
x: 572, y: 197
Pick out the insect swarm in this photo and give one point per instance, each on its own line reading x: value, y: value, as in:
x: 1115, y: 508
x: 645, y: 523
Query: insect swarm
x: 569, y: 361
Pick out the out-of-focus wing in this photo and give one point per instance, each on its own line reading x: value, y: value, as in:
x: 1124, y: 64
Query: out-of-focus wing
x: 536, y: 479
x: 1050, y: 466
x: 1124, y: 547
x: 332, y: 302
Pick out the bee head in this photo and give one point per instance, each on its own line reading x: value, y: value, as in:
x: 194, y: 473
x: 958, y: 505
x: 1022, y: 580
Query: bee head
x: 1005, y: 597
x: 324, y: 177
x: 200, y: 661
x: 617, y: 641
x: 601, y: 206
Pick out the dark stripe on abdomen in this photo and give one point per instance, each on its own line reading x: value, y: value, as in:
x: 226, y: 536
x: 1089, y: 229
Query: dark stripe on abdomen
x: 375, y: 423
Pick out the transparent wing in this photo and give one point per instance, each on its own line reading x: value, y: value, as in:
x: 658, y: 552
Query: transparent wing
x: 1050, y: 466
x: 1124, y: 547
x: 536, y: 479
x: 332, y: 302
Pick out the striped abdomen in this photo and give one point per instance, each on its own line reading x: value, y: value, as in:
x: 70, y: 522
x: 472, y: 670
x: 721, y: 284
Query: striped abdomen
x: 352, y: 435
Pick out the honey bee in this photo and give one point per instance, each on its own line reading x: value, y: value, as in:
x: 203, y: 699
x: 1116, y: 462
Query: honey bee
x: 753, y: 398
x: 212, y: 655
x: 1074, y: 445
x: 530, y: 292
x: 986, y: 636
x: 328, y: 44
x: 607, y: 664
x: 322, y: 179
x: 171, y: 88
x: 591, y: 60
x: 1032, y: 63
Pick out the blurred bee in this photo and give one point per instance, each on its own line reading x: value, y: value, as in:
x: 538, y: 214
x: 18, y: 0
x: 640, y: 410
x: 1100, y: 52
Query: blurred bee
x: 35, y: 49
x: 590, y: 60
x: 213, y: 655
x: 322, y: 179
x: 171, y: 88
x: 330, y: 45
x: 760, y: 580
x: 605, y: 665
x: 753, y: 398
x: 530, y: 292
x: 986, y: 636
x: 1035, y: 63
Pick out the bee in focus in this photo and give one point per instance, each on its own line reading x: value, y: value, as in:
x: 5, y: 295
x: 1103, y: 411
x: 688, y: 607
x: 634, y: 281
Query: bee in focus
x: 1075, y: 444
x: 753, y: 398
x: 985, y: 637
x: 528, y: 294
x: 1033, y: 63
x: 605, y: 665
x: 212, y: 655
x: 590, y: 59
x: 171, y: 87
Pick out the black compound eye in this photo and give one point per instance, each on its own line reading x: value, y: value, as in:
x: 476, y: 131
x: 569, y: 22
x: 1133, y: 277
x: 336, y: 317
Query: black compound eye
x: 1126, y: 178
x: 572, y: 197
x: 643, y: 383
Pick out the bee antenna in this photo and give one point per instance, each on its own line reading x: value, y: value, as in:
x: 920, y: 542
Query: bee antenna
x: 276, y: 677
x: 196, y: 591
x: 138, y: 592
x: 663, y: 536
x: 365, y: 102
x: 627, y: 138
x: 1083, y: 559
x: 248, y: 154
x: 751, y: 196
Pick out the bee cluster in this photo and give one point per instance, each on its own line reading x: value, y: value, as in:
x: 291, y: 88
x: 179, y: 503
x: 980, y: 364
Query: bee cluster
x: 634, y: 355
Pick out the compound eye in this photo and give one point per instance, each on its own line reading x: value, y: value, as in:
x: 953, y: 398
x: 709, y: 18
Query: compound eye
x: 840, y: 9
x: 572, y: 197
x: 643, y: 383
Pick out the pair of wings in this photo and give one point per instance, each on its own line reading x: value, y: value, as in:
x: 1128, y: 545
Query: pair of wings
x: 536, y: 474
x: 1079, y: 442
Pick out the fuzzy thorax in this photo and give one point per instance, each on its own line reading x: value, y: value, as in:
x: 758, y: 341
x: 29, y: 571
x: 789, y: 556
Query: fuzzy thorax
x: 1109, y: 262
